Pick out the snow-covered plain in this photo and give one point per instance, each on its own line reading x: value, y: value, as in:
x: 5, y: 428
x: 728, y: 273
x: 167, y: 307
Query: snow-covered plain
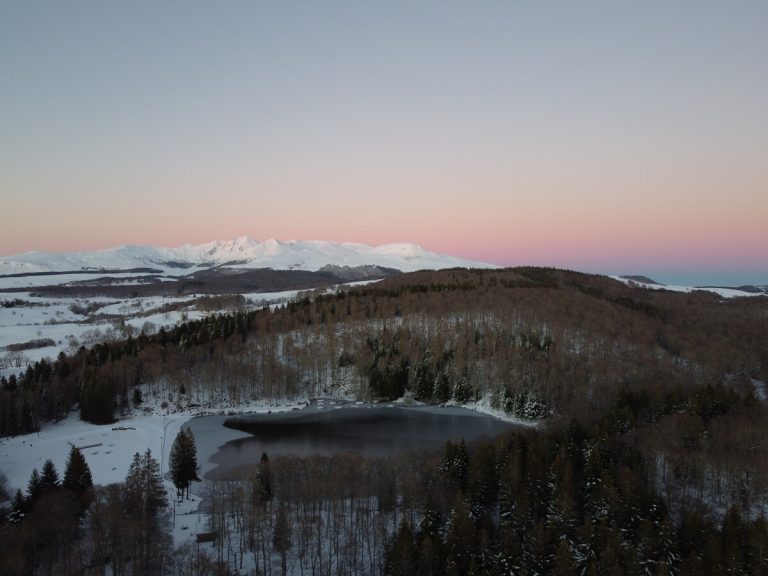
x: 58, y: 319
x: 108, y: 449
x: 47, y: 317
x: 722, y: 292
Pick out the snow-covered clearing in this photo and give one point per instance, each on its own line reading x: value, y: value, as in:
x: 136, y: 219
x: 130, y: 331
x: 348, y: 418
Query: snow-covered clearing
x: 109, y: 448
x: 722, y: 292
x: 71, y: 322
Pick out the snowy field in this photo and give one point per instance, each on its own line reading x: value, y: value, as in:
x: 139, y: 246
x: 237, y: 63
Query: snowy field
x: 722, y: 292
x: 108, y: 449
x: 58, y: 319
x: 72, y: 322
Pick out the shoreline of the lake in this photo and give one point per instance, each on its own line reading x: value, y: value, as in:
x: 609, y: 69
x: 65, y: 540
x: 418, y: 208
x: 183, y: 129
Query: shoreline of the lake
x: 328, y: 427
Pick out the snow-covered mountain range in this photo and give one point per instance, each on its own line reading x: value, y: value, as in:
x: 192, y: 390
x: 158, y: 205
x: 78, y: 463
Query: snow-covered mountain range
x: 240, y: 253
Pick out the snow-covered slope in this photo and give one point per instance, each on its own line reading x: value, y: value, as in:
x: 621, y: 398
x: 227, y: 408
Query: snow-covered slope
x: 241, y: 252
x: 723, y: 292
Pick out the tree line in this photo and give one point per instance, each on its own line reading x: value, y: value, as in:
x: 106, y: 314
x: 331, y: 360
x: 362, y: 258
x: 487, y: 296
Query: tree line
x: 66, y: 525
x: 535, y: 342
x: 652, y: 459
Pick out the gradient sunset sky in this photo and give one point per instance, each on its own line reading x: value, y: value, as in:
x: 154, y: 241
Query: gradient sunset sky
x: 614, y: 137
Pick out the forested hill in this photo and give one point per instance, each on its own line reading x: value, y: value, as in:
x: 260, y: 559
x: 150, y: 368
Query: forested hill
x: 534, y: 341
x: 652, y: 458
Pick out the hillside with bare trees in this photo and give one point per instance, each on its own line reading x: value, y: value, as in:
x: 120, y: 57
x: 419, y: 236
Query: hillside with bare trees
x: 652, y: 403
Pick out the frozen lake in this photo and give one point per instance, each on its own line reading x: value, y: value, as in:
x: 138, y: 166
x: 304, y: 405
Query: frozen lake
x: 225, y: 443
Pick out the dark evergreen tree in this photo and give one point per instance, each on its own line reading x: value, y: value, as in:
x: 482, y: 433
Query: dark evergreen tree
x: 97, y: 399
x: 402, y: 557
x: 144, y: 499
x: 19, y: 508
x: 483, y: 480
x: 423, y: 379
x: 441, y: 387
x: 262, y: 488
x: 460, y: 541
x: 77, y: 478
x: 183, y: 462
x: 431, y: 518
x: 137, y: 397
x: 281, y: 538
x: 455, y: 466
x: 49, y: 480
x: 145, y: 494
x: 34, y: 490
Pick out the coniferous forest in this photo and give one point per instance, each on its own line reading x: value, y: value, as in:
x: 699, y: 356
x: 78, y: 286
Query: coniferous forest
x: 649, y: 456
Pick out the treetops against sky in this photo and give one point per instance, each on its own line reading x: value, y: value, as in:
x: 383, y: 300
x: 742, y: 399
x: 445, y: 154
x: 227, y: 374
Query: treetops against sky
x: 609, y: 137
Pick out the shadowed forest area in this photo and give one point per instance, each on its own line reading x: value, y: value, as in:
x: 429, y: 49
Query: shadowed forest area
x: 651, y: 457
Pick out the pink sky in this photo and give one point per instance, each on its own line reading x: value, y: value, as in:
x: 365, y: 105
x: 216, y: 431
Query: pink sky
x: 630, y: 142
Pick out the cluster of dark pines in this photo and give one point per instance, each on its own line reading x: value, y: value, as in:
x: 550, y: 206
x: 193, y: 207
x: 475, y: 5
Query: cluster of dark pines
x: 70, y: 526
x: 576, y: 501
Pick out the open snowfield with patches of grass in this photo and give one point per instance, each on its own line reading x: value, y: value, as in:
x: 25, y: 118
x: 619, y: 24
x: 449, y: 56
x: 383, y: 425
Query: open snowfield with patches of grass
x: 72, y: 322
x: 108, y: 449
x: 723, y: 292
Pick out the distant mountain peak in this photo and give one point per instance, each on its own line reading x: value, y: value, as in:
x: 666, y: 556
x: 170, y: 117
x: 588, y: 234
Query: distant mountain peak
x: 241, y: 252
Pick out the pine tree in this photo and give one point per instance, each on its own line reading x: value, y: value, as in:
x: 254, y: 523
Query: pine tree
x: 49, y: 480
x: 33, y: 487
x: 19, y: 508
x: 77, y: 478
x: 144, y: 497
x: 281, y: 539
x: 460, y: 541
x: 137, y: 396
x: 262, y: 483
x: 402, y: 557
x: 183, y: 462
x: 144, y: 490
x: 423, y: 379
x: 441, y: 387
x: 455, y: 465
x: 96, y: 400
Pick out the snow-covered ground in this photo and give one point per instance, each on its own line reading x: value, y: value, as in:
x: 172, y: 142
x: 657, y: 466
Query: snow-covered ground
x: 58, y: 319
x: 722, y: 292
x: 108, y: 449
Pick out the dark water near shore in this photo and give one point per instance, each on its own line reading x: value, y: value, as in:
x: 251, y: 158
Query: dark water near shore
x: 372, y: 431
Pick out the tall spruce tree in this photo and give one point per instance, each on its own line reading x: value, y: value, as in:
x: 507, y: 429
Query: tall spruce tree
x: 144, y: 498
x: 262, y: 487
x: 49, y: 480
x: 33, y: 487
x: 183, y: 462
x: 19, y: 508
x: 77, y: 478
x: 144, y: 491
